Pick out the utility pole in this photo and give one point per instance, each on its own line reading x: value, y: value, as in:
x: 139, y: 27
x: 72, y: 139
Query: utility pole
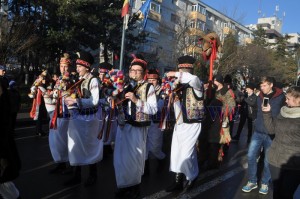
x: 298, y: 72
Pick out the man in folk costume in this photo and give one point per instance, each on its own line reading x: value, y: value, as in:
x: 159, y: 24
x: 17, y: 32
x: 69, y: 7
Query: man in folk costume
x: 130, y: 144
x: 58, y: 136
x: 227, y: 97
x: 109, y: 127
x: 84, y: 147
x: 155, y: 135
x: 189, y: 112
x: 38, y: 110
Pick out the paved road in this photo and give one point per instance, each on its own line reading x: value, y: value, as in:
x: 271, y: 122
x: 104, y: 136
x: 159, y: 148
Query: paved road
x: 35, y: 182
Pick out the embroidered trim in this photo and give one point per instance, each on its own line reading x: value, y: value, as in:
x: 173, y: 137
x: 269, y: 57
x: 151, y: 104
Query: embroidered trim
x: 185, y: 66
x: 152, y: 76
x: 83, y: 63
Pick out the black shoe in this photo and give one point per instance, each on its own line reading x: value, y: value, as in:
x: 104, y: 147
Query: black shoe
x: 67, y: 171
x: 177, y: 184
x: 73, y: 181
x: 146, y: 168
x: 134, y: 192
x: 122, y: 192
x: 58, y: 169
x: 190, y: 184
x: 90, y: 181
x: 160, y: 166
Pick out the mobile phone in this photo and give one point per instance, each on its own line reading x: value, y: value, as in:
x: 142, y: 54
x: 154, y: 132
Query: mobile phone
x: 266, y: 101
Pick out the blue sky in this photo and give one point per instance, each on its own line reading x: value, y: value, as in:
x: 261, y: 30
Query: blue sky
x: 248, y: 11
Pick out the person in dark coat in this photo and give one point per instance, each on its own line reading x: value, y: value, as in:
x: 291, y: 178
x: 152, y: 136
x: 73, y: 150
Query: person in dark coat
x: 15, y: 101
x: 284, y: 153
x: 10, y: 163
x: 248, y: 112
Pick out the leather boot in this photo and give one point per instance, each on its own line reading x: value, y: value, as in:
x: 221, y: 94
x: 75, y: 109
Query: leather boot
x: 177, y: 184
x: 190, y: 184
x: 160, y: 165
x: 76, y: 179
x: 146, y: 168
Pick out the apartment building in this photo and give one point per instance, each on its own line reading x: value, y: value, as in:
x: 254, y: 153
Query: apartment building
x: 175, y: 26
x: 272, y: 26
x: 294, y: 41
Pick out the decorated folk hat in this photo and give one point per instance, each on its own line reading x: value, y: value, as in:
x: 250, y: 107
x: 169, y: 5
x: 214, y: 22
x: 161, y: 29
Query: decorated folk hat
x: 65, y: 59
x: 104, y: 67
x: 186, y: 61
x: 138, y: 59
x: 84, y: 59
x: 152, y: 74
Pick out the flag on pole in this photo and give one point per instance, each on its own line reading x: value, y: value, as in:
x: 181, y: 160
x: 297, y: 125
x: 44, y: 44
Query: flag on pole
x: 144, y: 11
x: 125, y: 8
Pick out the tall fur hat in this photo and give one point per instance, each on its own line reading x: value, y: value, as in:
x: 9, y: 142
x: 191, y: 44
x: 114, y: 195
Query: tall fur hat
x: 104, y: 67
x: 65, y: 59
x: 139, y: 59
x: 186, y: 61
x: 152, y: 74
x: 84, y: 59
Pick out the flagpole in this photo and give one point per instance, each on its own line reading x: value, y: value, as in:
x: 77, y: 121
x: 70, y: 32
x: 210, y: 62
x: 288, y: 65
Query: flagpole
x: 123, y: 40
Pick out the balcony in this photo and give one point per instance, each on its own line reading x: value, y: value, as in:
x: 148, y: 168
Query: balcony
x: 154, y: 16
x: 197, y: 15
x: 195, y: 31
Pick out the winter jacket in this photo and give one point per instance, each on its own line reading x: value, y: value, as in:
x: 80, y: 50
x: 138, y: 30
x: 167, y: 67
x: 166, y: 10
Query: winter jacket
x: 276, y: 100
x: 8, y: 149
x: 251, y: 106
x: 285, y: 149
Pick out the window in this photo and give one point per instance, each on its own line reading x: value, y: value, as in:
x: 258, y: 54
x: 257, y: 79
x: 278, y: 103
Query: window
x: 175, y: 2
x: 199, y: 8
x: 193, y: 24
x: 175, y: 18
x: 198, y: 24
x: 155, y: 7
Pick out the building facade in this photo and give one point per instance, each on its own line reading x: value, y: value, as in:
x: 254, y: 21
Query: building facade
x: 175, y: 26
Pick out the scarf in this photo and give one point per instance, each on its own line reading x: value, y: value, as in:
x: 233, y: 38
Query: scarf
x: 290, y: 112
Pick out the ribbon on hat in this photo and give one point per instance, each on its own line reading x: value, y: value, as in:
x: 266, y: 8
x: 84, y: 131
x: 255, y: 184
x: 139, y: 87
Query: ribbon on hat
x: 137, y: 60
x: 83, y: 63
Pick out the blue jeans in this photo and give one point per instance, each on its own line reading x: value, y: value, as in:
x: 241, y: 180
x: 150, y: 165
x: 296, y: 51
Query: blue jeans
x: 258, y: 140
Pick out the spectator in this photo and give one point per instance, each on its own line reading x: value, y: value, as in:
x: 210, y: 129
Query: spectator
x: 15, y: 101
x: 248, y: 112
x: 284, y: 153
x: 260, y: 137
x: 10, y: 163
x: 3, y: 77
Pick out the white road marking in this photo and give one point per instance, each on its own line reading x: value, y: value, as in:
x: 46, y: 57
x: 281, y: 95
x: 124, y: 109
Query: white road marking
x: 27, y: 137
x: 216, y: 181
x: 206, y: 186
x: 59, y: 192
x: 29, y: 127
x: 40, y: 167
